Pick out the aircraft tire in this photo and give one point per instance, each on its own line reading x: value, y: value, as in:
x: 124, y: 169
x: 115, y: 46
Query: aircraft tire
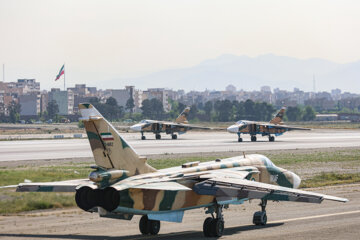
x: 260, y: 218
x: 174, y: 136
x: 143, y: 137
x: 240, y: 139
x: 217, y: 227
x: 144, y: 225
x: 207, y: 227
x: 271, y: 139
x: 158, y: 136
x: 154, y: 226
x: 253, y: 138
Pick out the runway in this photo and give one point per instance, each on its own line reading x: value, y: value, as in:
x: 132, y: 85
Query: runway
x: 286, y: 220
x: 191, y: 142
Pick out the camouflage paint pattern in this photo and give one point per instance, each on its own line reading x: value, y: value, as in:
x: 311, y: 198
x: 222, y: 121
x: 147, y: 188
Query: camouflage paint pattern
x: 110, y: 151
x: 182, y: 118
x: 137, y: 188
x: 278, y: 117
x: 179, y: 126
x: 274, y: 127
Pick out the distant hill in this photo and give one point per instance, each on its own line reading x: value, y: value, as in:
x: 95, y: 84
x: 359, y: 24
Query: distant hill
x: 250, y: 73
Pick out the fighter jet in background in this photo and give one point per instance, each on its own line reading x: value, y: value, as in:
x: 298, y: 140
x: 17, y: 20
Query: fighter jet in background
x: 274, y: 127
x: 179, y: 126
x: 122, y: 184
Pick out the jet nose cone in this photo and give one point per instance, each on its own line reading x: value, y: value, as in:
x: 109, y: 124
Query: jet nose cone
x: 296, y: 180
x: 136, y: 127
x: 233, y: 129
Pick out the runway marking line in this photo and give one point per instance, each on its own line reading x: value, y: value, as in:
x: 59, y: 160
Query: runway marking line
x: 279, y: 221
x: 314, y: 217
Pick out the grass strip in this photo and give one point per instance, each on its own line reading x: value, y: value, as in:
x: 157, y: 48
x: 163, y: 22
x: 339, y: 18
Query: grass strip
x: 329, y: 179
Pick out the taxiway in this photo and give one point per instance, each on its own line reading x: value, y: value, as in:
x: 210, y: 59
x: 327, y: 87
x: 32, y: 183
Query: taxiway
x: 191, y: 142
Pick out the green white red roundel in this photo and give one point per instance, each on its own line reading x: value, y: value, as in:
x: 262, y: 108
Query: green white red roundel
x: 107, y: 136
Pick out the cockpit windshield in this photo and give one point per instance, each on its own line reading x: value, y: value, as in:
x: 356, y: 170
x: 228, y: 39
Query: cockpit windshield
x: 240, y: 122
x: 268, y: 162
x: 143, y: 121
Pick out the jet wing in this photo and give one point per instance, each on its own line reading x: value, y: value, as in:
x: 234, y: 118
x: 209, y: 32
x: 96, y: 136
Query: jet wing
x: 60, y: 186
x: 229, y: 188
x: 289, y: 128
x: 189, y: 126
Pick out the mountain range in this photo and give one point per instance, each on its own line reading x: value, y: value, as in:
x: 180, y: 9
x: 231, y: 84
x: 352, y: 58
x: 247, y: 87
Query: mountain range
x: 250, y: 73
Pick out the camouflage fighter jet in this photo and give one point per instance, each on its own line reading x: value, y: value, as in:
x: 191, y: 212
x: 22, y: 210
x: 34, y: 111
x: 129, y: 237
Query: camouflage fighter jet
x: 122, y: 184
x: 274, y: 127
x: 179, y: 126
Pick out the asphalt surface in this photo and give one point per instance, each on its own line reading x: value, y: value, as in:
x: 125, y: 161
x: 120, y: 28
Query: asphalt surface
x: 191, y: 142
x: 286, y: 220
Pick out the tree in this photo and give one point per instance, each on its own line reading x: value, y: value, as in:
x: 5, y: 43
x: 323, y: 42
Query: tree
x: 309, y: 114
x: 152, y: 109
x: 157, y: 108
x: 193, y: 111
x: 111, y: 101
x: 293, y: 113
x: 14, y: 111
x: 223, y: 110
x: 130, y: 105
x: 249, y: 107
x: 109, y: 109
x: 52, y: 109
x: 208, y: 109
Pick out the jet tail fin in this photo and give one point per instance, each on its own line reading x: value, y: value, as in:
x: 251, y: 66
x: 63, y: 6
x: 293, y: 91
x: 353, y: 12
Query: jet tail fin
x: 279, y: 117
x: 110, y: 150
x: 182, y: 118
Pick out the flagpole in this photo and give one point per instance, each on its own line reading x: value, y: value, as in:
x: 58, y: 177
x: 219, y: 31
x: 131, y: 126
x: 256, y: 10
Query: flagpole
x: 64, y: 78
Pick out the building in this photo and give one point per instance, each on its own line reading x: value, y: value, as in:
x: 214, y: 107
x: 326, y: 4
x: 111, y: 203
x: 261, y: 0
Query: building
x: 82, y: 90
x: 28, y: 85
x: 30, y: 104
x: 230, y: 88
x: 161, y: 94
x: 265, y: 89
x: 64, y: 99
x: 121, y: 96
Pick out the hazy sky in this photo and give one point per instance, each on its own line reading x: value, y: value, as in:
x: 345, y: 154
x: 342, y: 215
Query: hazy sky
x: 102, y: 40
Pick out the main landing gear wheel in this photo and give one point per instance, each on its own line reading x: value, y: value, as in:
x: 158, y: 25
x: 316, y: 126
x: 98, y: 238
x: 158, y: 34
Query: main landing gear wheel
x: 260, y: 217
x: 271, y: 139
x: 173, y: 136
x: 142, y: 136
x: 158, y: 136
x: 239, y: 138
x: 214, y: 227
x: 147, y: 226
x: 253, y: 138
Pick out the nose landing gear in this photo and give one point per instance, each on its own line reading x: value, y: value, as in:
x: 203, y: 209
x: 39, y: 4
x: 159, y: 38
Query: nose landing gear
x: 142, y: 136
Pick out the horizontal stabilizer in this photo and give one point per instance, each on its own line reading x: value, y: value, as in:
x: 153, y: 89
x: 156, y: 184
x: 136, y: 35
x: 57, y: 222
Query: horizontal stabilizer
x: 61, y: 186
x: 170, y: 186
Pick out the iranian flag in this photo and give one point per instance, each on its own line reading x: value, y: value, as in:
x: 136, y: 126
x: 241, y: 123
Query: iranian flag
x: 61, y: 72
x: 107, y: 136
